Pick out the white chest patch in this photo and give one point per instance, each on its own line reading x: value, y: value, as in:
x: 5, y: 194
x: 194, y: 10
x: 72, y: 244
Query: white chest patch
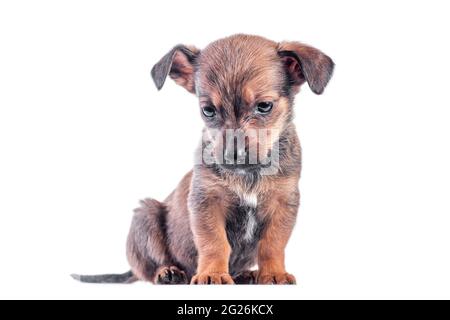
x: 249, y: 199
x: 251, y: 226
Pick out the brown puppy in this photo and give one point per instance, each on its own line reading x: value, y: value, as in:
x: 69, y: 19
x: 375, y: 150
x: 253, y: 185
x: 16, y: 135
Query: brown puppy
x: 233, y: 211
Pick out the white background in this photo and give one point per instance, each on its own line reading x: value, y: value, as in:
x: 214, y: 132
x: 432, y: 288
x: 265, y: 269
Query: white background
x: 84, y: 135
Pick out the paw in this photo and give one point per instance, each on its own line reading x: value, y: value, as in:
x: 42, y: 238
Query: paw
x: 276, y: 278
x: 171, y: 275
x: 212, y: 278
x: 246, y: 277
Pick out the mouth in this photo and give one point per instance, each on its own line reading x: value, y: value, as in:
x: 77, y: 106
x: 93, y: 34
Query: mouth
x: 240, y: 166
x: 246, y: 165
x: 243, y: 168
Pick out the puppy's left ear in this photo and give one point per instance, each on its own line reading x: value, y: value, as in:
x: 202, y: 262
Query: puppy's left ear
x: 178, y: 63
x: 305, y: 63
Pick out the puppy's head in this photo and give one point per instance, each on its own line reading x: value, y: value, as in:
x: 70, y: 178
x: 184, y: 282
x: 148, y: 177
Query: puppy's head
x: 245, y: 85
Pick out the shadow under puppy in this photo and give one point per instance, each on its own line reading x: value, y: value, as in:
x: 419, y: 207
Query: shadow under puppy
x: 227, y: 216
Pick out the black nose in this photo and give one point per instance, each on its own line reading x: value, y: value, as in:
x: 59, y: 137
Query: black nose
x: 234, y: 155
x: 234, y: 152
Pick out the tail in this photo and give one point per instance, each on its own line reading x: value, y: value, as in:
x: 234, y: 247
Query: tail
x: 127, y: 277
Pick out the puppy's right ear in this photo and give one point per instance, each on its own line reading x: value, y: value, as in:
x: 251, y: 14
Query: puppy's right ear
x: 179, y: 64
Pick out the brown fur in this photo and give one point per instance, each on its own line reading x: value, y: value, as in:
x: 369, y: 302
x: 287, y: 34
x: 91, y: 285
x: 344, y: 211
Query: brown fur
x: 196, y: 231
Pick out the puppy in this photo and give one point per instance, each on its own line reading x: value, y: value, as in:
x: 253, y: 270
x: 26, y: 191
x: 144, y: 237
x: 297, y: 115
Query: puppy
x: 236, y: 209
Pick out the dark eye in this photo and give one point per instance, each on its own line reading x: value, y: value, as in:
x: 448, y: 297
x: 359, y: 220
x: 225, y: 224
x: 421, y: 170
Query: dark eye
x: 209, y: 111
x: 264, y: 107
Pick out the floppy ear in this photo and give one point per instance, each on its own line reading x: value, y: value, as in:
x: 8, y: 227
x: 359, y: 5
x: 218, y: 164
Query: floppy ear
x: 305, y: 63
x: 178, y: 63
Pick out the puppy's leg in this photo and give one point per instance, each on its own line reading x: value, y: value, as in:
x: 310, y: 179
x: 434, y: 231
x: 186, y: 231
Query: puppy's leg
x: 281, y: 221
x: 147, y: 249
x: 208, y: 225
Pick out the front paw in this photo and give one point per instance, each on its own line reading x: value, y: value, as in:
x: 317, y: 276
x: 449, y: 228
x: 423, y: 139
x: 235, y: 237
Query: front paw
x: 246, y: 277
x: 276, y: 278
x: 212, y: 278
